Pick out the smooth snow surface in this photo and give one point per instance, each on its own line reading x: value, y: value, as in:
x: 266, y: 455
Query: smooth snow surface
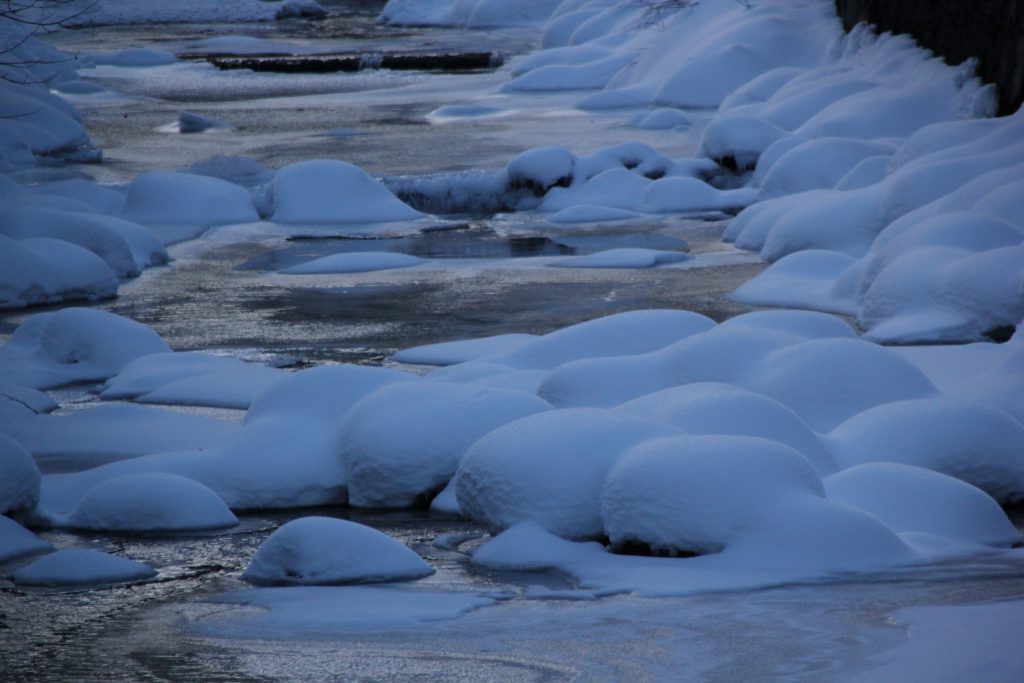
x: 150, y: 502
x: 323, y: 550
x: 81, y: 567
x: 622, y: 258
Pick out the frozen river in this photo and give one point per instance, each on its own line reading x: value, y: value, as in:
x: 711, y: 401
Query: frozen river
x: 487, y: 276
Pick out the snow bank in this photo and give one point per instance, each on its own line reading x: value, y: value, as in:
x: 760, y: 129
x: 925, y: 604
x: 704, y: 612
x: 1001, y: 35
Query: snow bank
x: 389, y: 467
x: 81, y: 567
x: 150, y: 502
x: 133, y: 56
x: 323, y: 550
x: 19, y: 477
x: 74, y: 345
x: 323, y: 191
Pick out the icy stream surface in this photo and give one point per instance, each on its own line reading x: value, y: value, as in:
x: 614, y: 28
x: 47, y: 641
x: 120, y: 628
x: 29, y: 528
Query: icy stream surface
x: 484, y: 276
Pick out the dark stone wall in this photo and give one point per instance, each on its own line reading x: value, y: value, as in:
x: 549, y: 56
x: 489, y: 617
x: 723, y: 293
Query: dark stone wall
x: 991, y: 30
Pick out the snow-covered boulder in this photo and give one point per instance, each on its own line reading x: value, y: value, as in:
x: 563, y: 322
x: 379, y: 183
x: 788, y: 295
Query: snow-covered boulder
x: 697, y: 494
x: 827, y: 381
x: 978, y: 444
x: 19, y: 477
x: 322, y: 394
x: 164, y: 197
x: 150, y: 502
x: 401, y: 444
x: 324, y: 550
x: 716, y: 408
x: 622, y: 258
x: 42, y: 270
x: 325, y: 191
x: 17, y: 541
x: 74, y: 345
x: 614, y: 335
x: 913, y: 499
x: 74, y: 567
x: 548, y: 469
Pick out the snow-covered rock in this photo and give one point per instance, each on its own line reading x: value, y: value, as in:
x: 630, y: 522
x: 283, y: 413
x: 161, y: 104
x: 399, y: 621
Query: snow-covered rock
x: 19, y: 477
x: 913, y: 499
x: 17, y: 541
x: 716, y: 408
x: 548, y: 469
x: 324, y: 550
x: 401, y: 444
x: 324, y: 191
x: 159, y: 198
x: 980, y: 445
x: 622, y: 258
x: 74, y: 567
x: 74, y: 345
x: 698, y: 494
x: 150, y: 502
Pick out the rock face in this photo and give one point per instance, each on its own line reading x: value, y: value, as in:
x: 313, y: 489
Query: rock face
x: 991, y: 30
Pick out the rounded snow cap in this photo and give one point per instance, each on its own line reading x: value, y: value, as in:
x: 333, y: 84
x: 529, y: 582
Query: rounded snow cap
x: 324, y: 550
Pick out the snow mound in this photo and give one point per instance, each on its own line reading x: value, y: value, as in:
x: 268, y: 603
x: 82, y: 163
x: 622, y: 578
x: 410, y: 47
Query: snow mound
x: 17, y: 541
x: 451, y: 353
x: 150, y: 502
x: 322, y: 394
x: 716, y: 408
x: 74, y: 345
x: 699, y: 494
x: 323, y: 191
x: 622, y: 258
x: 912, y: 499
x: 614, y: 335
x: 191, y: 378
x: 323, y: 550
x: 19, y: 477
x: 42, y: 270
x: 980, y: 445
x: 827, y: 381
x: 587, y: 213
x: 354, y: 262
x: 389, y: 467
x: 548, y: 469
x: 81, y: 567
x: 164, y: 197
